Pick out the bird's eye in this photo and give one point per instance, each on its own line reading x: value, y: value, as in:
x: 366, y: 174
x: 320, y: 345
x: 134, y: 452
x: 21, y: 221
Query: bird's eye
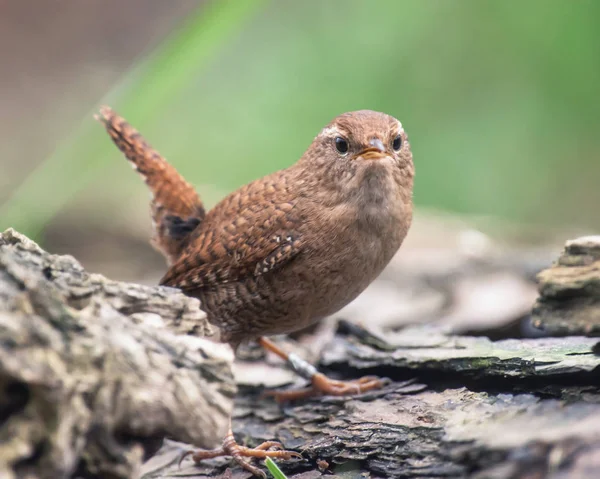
x: 341, y: 145
x: 397, y: 143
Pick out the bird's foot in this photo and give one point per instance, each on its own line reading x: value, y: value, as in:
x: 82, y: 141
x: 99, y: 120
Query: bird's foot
x: 324, y: 386
x: 321, y: 385
x: 238, y: 453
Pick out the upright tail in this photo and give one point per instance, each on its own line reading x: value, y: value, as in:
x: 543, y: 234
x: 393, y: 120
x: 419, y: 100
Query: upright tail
x: 176, y: 208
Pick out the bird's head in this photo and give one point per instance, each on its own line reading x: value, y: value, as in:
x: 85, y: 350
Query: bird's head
x: 361, y: 152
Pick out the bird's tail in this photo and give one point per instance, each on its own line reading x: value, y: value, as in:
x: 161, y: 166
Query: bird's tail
x: 176, y: 207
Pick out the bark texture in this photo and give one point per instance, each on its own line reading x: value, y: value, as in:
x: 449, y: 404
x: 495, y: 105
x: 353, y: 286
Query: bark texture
x: 569, y: 301
x: 476, y: 391
x: 91, y: 380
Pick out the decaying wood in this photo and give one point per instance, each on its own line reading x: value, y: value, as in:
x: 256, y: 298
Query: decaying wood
x: 428, y: 349
x: 90, y: 379
x: 464, y: 401
x: 569, y: 301
x: 515, y: 408
x: 458, y: 405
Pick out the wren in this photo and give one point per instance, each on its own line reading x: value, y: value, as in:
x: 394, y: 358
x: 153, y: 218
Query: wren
x: 288, y: 249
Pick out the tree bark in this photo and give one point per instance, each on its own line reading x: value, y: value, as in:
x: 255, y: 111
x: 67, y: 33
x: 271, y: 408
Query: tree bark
x: 467, y: 399
x: 569, y: 301
x: 91, y: 380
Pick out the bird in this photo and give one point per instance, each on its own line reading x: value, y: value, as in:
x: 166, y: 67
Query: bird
x: 285, y: 250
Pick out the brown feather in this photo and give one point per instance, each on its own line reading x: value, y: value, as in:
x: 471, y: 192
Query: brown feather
x: 176, y: 206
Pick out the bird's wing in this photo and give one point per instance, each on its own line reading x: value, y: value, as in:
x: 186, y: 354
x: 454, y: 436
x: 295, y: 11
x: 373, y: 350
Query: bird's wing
x: 250, y: 233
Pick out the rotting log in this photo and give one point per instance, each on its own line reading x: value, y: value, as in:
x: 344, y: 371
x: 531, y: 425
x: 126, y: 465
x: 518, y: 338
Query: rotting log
x: 459, y: 406
x: 91, y: 379
x: 527, y: 408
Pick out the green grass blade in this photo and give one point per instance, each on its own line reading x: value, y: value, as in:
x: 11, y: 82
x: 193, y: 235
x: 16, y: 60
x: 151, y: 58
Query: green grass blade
x: 144, y: 91
x: 274, y: 469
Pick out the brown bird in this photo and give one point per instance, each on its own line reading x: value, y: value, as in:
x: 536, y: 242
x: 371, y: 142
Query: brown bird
x: 288, y: 249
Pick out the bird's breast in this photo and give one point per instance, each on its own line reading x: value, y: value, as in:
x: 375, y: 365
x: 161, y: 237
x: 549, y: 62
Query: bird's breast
x: 356, y: 243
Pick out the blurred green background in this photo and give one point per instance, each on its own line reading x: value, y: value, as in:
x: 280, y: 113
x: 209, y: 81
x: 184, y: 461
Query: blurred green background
x: 501, y: 100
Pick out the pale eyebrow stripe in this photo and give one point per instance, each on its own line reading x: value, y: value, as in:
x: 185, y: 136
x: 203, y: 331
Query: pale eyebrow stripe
x: 330, y: 131
x: 401, y: 130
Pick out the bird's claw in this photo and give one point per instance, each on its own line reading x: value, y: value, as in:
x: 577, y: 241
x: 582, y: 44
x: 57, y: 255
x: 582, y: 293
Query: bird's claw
x: 238, y: 453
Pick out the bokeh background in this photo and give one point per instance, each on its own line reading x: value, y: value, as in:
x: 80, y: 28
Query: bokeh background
x: 501, y: 100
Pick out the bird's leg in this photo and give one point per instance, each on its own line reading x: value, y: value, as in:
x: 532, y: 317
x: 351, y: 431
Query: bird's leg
x: 231, y: 448
x: 320, y: 384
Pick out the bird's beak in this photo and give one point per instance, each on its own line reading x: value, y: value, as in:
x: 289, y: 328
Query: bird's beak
x: 375, y: 152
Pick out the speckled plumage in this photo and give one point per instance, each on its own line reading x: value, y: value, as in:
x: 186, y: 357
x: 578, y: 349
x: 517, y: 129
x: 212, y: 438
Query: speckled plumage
x: 292, y: 247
